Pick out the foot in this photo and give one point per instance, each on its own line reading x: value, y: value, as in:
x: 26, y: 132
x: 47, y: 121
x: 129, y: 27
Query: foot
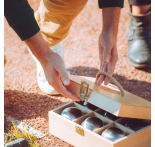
x: 41, y: 79
x: 139, y: 41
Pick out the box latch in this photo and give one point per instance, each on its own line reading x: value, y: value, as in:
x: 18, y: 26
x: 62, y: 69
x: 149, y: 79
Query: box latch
x: 79, y: 130
x: 84, y: 91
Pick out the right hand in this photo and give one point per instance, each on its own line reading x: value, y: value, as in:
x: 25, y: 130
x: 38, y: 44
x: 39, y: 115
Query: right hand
x: 56, y: 75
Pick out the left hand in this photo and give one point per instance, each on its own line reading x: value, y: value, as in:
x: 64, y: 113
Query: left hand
x: 108, y: 55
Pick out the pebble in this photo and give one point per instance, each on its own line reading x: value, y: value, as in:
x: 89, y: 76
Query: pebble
x: 21, y: 142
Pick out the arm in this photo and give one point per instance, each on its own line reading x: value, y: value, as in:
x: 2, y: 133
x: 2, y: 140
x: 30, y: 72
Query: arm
x: 52, y: 64
x: 108, y: 37
x: 107, y: 42
x: 20, y: 17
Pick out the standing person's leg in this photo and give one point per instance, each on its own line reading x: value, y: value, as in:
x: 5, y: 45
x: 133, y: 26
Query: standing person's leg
x: 55, y: 18
x: 139, y: 37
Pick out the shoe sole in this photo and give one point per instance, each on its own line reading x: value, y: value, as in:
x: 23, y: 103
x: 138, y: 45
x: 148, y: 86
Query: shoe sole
x: 140, y: 66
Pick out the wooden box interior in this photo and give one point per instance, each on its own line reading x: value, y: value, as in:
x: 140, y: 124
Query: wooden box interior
x: 119, y: 123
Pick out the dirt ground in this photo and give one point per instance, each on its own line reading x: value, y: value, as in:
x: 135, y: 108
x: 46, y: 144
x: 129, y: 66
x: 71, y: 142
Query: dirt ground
x: 23, y: 99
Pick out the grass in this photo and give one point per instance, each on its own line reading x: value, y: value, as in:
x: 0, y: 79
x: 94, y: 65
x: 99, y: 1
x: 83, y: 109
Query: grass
x: 15, y: 133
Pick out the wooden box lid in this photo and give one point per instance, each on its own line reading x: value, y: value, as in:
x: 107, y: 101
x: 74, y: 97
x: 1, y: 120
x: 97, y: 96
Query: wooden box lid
x: 109, y: 98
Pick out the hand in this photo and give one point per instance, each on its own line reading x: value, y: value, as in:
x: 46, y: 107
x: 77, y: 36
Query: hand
x: 107, y: 55
x: 52, y: 64
x: 107, y: 42
x: 56, y: 75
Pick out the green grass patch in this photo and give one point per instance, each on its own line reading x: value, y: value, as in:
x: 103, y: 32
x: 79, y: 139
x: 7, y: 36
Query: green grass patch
x: 14, y: 133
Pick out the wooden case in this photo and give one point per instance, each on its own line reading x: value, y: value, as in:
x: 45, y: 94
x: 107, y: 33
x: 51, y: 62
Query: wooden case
x: 107, y: 99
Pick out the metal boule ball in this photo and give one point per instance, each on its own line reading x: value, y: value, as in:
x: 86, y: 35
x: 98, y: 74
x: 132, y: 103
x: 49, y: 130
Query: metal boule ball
x: 135, y: 124
x: 110, y: 116
x: 113, y: 133
x: 71, y: 113
x: 92, y: 123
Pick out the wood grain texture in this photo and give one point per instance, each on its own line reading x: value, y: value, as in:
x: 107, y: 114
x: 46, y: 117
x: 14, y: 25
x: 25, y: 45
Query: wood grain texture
x: 135, y: 112
x: 139, y: 139
x: 97, y: 99
x: 65, y: 130
x: 127, y: 99
x: 128, y: 106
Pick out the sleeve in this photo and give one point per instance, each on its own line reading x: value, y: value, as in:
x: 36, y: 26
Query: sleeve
x: 110, y: 3
x: 20, y: 16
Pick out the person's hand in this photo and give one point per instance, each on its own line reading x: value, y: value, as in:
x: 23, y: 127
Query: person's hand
x: 107, y: 42
x: 52, y: 64
x: 107, y: 55
x: 56, y: 75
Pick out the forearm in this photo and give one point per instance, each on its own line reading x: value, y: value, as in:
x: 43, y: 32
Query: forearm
x: 110, y: 18
x: 53, y: 65
x: 39, y: 47
x: 107, y: 42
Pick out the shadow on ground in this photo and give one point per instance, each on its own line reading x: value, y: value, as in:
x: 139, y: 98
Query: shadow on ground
x: 22, y: 105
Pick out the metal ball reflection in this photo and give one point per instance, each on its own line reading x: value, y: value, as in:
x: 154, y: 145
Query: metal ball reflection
x: 92, y: 123
x: 110, y: 116
x: 135, y: 124
x: 71, y: 113
x: 113, y: 133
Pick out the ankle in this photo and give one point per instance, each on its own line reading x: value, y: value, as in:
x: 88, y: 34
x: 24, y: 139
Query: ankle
x: 140, y: 10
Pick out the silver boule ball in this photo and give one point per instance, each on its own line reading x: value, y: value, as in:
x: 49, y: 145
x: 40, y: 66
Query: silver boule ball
x: 71, y: 113
x: 113, y: 133
x: 92, y: 123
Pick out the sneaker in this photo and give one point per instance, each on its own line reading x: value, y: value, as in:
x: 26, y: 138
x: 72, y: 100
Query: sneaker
x: 41, y: 79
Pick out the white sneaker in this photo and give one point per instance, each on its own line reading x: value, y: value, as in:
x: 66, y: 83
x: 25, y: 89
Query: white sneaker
x: 41, y: 79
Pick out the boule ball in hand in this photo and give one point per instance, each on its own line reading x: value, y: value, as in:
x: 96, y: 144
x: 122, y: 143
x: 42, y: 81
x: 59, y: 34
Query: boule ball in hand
x: 71, y: 113
x: 110, y: 116
x: 92, y: 123
x: 113, y: 133
x: 135, y: 124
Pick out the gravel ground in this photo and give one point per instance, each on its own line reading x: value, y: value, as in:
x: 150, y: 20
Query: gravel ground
x: 24, y: 100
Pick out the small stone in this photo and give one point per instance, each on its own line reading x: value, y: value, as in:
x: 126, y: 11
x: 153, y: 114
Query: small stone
x: 21, y: 142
